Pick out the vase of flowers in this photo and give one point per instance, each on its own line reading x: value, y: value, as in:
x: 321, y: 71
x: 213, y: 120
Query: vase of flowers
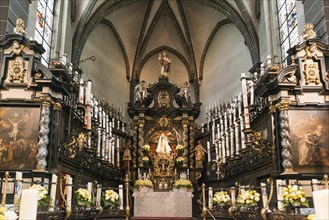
x: 145, y: 159
x: 143, y: 185
x: 221, y: 199
x: 183, y: 185
x: 146, y: 148
x: 43, y: 197
x: 83, y: 197
x: 110, y: 198
x: 248, y: 199
x: 179, y: 148
x: 179, y: 161
x: 294, y: 195
x: 7, y: 214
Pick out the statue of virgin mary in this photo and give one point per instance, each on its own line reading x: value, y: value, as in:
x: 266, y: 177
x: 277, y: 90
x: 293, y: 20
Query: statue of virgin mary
x: 163, y: 145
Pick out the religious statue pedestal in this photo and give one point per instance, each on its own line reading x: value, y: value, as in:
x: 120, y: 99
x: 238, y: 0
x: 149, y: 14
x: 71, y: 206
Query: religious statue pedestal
x: 162, y: 204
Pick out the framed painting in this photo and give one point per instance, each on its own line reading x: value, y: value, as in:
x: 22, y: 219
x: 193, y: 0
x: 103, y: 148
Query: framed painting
x: 309, y: 136
x: 18, y: 137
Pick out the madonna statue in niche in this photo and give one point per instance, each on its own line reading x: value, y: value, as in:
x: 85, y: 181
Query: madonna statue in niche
x: 163, y: 145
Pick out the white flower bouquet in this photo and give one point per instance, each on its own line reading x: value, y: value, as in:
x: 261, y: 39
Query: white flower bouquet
x: 7, y: 214
x: 146, y: 147
x: 43, y: 197
x: 221, y: 198
x: 179, y: 148
x: 83, y: 197
x: 111, y: 198
x: 182, y: 183
x: 248, y: 198
x: 294, y: 195
x: 180, y: 160
x: 143, y: 183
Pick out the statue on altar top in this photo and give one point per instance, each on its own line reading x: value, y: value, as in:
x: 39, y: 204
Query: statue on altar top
x: 163, y: 144
x: 165, y: 64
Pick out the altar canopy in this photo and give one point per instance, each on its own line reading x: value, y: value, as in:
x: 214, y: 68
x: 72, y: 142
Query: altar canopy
x: 163, y: 204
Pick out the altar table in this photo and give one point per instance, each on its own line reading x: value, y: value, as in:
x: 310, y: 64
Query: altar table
x: 163, y: 204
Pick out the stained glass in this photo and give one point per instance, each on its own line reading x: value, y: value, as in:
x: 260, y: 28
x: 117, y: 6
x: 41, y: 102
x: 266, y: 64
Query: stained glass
x: 43, y: 27
x: 287, y: 26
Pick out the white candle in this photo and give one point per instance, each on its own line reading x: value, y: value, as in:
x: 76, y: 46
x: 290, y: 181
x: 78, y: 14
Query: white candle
x: 29, y: 204
x: 244, y: 90
x: 81, y: 92
x: 188, y: 171
x: 279, y: 186
x: 98, y: 195
x: 243, y: 144
x: 321, y: 203
x: 252, y: 92
x: 96, y: 109
x: 68, y: 192
x: 264, y: 194
x: 88, y: 93
x: 113, y: 151
x: 118, y: 153
x: 18, y: 187
x: 236, y: 127
x: 53, y: 192
x: 210, y: 195
x: 121, y: 196
x: 208, y: 149
x: 217, y: 154
x: 89, y: 187
x: 139, y: 173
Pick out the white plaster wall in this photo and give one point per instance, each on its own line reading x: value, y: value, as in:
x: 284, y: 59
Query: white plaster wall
x: 108, y: 72
x: 151, y: 70
x: 227, y: 58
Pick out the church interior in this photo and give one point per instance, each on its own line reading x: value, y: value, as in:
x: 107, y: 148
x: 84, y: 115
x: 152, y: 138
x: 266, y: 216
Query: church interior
x: 164, y: 109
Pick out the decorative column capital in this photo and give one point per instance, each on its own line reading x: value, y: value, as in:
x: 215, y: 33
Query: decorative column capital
x: 46, y: 101
x: 272, y: 108
x: 283, y: 105
x: 57, y: 106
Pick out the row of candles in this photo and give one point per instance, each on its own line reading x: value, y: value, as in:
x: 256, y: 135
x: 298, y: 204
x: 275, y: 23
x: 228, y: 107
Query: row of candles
x: 227, y: 121
x: 28, y: 198
x: 99, y: 118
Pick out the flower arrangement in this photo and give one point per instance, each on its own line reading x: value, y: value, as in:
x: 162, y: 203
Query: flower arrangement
x: 7, y: 214
x: 248, y: 198
x: 180, y: 160
x: 111, y: 198
x: 146, y: 147
x: 179, y: 148
x: 143, y: 183
x: 145, y: 159
x: 181, y: 183
x: 43, y: 197
x: 221, y: 198
x: 83, y: 197
x: 294, y: 195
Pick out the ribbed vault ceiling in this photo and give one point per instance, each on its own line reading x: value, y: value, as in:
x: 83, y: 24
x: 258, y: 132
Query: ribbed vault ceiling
x: 182, y: 27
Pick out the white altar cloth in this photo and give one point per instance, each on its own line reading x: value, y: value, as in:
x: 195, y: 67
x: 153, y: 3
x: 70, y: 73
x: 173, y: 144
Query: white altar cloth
x: 163, y: 204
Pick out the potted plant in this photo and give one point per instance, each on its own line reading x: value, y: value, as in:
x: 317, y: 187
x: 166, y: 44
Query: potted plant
x: 183, y: 185
x: 43, y: 197
x: 179, y: 161
x: 179, y: 148
x: 83, y: 197
x: 143, y: 185
x: 145, y: 159
x: 248, y: 199
x: 221, y: 199
x: 294, y: 195
x: 110, y: 198
x: 7, y: 214
x: 146, y: 148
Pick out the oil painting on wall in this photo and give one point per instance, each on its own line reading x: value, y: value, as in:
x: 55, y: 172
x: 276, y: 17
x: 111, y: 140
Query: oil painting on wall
x: 18, y: 137
x: 309, y: 135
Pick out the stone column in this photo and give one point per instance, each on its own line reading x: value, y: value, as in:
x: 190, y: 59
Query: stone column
x: 285, y: 138
x: 140, y: 142
x: 185, y: 143
x: 134, y: 151
x: 192, y: 153
x: 43, y: 133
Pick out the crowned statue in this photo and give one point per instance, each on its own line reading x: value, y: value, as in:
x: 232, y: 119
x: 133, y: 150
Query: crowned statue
x: 163, y: 145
